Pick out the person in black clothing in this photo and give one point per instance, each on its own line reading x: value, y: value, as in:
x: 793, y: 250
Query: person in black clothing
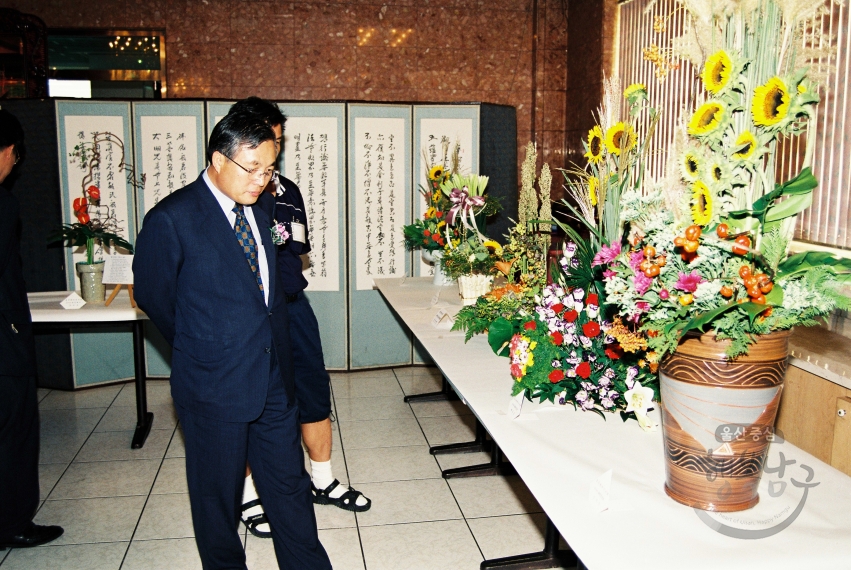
x: 312, y: 383
x: 19, y: 429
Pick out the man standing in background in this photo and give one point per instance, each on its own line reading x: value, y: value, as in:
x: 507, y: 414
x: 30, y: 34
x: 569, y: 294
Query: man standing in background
x: 19, y: 429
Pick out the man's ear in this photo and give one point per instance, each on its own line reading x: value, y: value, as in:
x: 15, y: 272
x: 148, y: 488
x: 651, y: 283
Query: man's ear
x: 218, y: 161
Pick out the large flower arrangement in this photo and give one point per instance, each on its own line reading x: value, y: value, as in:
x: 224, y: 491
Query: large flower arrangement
x: 429, y: 233
x: 709, y: 242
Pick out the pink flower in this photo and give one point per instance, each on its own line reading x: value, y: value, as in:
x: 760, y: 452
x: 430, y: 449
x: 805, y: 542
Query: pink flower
x: 642, y: 283
x: 664, y: 294
x: 608, y: 274
x: 642, y: 306
x: 606, y: 254
x: 635, y: 259
x: 688, y: 282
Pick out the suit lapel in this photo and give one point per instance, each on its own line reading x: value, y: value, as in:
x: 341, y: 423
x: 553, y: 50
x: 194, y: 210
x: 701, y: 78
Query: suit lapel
x: 220, y: 235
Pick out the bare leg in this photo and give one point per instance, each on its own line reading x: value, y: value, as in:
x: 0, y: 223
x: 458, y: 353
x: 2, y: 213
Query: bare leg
x: 317, y: 439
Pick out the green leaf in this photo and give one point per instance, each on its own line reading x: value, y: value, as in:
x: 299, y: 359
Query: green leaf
x: 701, y: 320
x: 789, y: 207
x: 499, y: 335
x: 775, y: 296
x: 809, y: 259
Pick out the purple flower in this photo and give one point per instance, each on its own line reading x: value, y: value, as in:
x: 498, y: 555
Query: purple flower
x: 569, y: 249
x: 556, y: 363
x: 631, y: 373
x: 607, y: 403
x: 642, y: 283
x: 688, y: 282
x: 606, y: 254
x: 587, y: 404
x: 581, y: 396
x: 579, y: 293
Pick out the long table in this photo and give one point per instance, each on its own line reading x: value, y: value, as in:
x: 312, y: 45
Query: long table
x: 45, y: 308
x: 563, y: 457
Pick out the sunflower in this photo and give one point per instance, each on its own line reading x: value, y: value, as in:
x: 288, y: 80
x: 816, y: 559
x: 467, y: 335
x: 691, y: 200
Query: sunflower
x: 701, y: 204
x: 493, y: 247
x: 746, y: 143
x: 592, y: 190
x: 595, y: 145
x: 707, y: 119
x: 717, y: 72
x: 634, y: 89
x: 620, y: 138
x: 436, y: 173
x: 770, y: 103
x: 690, y: 164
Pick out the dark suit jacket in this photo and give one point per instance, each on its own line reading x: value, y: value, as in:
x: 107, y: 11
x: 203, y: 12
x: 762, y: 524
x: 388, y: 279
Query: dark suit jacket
x: 17, y: 346
x: 192, y: 280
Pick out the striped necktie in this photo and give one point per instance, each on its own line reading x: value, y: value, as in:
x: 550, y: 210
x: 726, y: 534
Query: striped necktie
x: 246, y: 240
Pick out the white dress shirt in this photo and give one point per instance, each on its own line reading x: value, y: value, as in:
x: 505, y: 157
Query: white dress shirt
x: 227, y: 205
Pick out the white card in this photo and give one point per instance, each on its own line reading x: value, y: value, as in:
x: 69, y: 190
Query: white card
x: 515, y: 405
x: 72, y: 301
x: 599, y: 495
x: 442, y: 319
x: 435, y: 299
x: 299, y: 232
x: 118, y: 268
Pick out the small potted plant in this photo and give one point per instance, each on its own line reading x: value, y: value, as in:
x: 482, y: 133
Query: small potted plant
x: 96, y: 223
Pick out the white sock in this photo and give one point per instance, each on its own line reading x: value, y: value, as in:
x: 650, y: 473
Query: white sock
x: 323, y: 476
x: 249, y: 493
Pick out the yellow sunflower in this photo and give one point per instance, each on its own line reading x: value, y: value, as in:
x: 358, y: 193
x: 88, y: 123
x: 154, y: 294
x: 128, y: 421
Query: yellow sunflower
x: 595, y: 145
x: 717, y: 72
x: 747, y: 144
x: 592, y: 190
x: 436, y: 173
x: 770, y: 103
x: 707, y: 118
x: 690, y: 164
x: 701, y: 204
x: 620, y: 138
x: 634, y: 89
x: 430, y: 213
x: 493, y: 247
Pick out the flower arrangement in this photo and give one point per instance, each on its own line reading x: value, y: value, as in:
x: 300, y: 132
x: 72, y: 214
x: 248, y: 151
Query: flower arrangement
x: 568, y: 353
x: 96, y: 222
x: 709, y: 243
x: 429, y: 233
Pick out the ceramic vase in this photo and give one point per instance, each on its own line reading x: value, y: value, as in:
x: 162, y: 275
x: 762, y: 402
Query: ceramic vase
x: 472, y: 287
x: 91, y: 281
x: 718, y: 419
x: 433, y: 258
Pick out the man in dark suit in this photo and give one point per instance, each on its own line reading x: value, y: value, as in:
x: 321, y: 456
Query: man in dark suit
x: 18, y: 403
x: 205, y: 273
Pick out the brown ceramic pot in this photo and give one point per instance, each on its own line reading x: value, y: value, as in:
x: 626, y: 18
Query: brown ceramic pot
x: 718, y: 419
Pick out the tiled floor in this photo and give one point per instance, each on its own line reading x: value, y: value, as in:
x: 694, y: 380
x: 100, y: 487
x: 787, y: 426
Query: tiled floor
x: 129, y: 509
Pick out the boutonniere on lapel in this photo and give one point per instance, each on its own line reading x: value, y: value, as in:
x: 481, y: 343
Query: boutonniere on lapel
x: 279, y: 233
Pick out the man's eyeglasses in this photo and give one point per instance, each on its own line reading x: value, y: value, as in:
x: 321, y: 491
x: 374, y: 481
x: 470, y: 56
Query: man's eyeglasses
x: 255, y: 172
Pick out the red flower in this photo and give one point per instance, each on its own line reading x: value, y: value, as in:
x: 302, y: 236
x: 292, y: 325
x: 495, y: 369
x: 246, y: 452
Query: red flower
x: 80, y: 204
x: 439, y: 214
x: 614, y: 352
x: 529, y: 325
x: 558, y: 338
x: 426, y: 233
x: 83, y: 217
x: 558, y: 307
x: 571, y: 316
x: 94, y: 192
x: 591, y: 329
x: 556, y: 376
x: 583, y: 370
x: 593, y: 299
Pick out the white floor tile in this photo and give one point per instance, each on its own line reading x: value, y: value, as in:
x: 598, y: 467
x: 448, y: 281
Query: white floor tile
x: 106, y: 556
x: 353, y: 386
x: 493, y: 496
x: 100, y: 397
x: 74, y: 420
x: 123, y: 418
x: 158, y: 394
x: 391, y: 464
x: 108, y: 519
x: 60, y: 447
x: 168, y: 553
x: 440, y: 409
x: 343, y: 548
x: 106, y: 479
x: 115, y: 446
x: 449, y: 429
x: 48, y: 475
x: 396, y: 502
x: 420, y: 384
x: 420, y: 546
x: 377, y: 408
x: 171, y: 477
x: 381, y: 433
x: 166, y: 516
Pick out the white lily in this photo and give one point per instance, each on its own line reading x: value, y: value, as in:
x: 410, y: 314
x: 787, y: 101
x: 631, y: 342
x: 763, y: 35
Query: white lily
x: 639, y: 399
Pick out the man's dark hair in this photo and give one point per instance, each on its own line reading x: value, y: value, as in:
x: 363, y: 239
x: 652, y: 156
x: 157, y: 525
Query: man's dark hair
x: 236, y: 130
x: 263, y: 108
x: 11, y: 133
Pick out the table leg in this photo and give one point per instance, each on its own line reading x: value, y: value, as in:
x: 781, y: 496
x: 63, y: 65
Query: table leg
x: 494, y: 467
x: 144, y: 418
x: 549, y: 557
x: 445, y: 393
x: 479, y: 444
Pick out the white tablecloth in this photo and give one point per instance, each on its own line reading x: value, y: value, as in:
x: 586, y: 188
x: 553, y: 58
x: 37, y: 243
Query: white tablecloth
x: 560, y: 453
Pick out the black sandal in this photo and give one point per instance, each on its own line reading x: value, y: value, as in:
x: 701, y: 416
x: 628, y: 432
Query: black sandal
x: 347, y: 501
x: 253, y: 521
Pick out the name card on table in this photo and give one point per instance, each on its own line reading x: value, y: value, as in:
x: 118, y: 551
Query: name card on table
x: 442, y: 320
x: 72, y: 301
x: 515, y: 405
x: 599, y: 495
x: 118, y: 269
